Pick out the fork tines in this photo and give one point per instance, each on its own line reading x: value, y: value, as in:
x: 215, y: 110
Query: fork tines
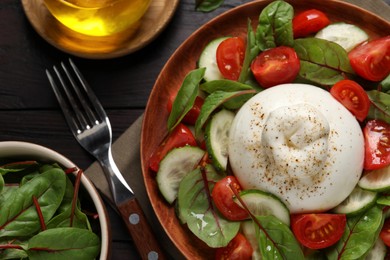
x: 76, y: 102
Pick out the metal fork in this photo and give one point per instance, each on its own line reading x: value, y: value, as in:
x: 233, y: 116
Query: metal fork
x: 91, y: 127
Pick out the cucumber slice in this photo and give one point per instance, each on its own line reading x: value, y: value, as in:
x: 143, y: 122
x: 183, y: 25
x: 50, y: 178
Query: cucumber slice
x: 175, y: 165
x: 346, y: 35
x: 208, y: 60
x: 249, y: 232
x: 358, y: 201
x: 376, y: 180
x: 261, y: 203
x: 378, y: 251
x: 217, y: 138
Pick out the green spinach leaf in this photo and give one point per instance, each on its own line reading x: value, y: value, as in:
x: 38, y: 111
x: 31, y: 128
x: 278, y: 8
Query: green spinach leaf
x: 385, y: 84
x: 198, y: 211
x: 276, y: 240
x: 64, y: 243
x: 360, y: 235
x: 380, y: 104
x: 275, y: 26
x: 208, y: 5
x: 18, y: 215
x: 223, y: 85
x: 63, y: 214
x: 185, y: 97
x: 322, y: 62
x: 212, y: 102
x: 252, y: 50
x: 2, y: 183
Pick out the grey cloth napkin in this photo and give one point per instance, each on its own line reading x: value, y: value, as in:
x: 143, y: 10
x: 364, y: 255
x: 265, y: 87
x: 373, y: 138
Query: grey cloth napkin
x: 126, y: 154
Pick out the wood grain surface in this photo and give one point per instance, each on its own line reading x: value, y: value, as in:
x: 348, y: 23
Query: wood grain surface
x: 29, y: 110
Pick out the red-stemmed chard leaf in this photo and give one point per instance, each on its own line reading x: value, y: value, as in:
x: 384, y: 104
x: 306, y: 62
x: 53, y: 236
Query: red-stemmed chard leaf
x: 69, y: 213
x: 64, y: 243
x: 275, y: 239
x: 17, y: 212
x: 39, y: 211
x: 196, y: 208
x: 322, y: 62
x: 360, y: 235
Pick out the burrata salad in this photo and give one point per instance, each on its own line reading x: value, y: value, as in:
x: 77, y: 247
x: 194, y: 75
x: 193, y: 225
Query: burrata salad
x: 278, y: 143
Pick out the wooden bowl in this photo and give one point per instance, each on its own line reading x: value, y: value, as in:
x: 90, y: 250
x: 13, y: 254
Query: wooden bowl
x: 154, y: 128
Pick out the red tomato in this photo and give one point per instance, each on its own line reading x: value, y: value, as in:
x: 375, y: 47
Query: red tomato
x: 353, y: 97
x: 377, y: 145
x: 308, y: 22
x: 385, y: 232
x: 230, y: 57
x: 179, y: 137
x: 238, y: 248
x: 192, y: 115
x: 223, y: 195
x: 318, y: 231
x: 372, y: 60
x: 276, y: 66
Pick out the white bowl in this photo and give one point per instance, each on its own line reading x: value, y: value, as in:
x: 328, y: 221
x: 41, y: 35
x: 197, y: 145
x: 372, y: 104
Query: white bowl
x: 30, y: 151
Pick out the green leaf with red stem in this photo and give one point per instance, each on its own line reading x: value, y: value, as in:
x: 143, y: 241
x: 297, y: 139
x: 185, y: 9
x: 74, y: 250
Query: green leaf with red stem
x: 360, y: 235
x: 67, y: 214
x: 196, y: 208
x: 17, y: 213
x: 322, y: 62
x: 39, y: 211
x: 64, y: 243
x: 275, y: 239
x: 380, y: 105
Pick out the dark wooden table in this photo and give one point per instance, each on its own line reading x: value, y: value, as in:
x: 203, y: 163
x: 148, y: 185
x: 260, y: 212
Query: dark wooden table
x: 29, y: 110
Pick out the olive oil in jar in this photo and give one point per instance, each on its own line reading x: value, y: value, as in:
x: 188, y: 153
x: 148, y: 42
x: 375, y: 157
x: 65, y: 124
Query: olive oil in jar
x: 98, y: 17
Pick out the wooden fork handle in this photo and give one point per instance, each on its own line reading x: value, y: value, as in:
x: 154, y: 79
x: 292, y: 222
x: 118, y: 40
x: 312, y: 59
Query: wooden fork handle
x: 140, y: 230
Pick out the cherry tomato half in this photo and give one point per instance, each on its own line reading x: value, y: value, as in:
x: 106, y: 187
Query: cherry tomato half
x: 377, y: 145
x: 308, y: 22
x: 385, y: 232
x: 372, y: 60
x: 223, y: 195
x: 238, y: 248
x: 179, y: 137
x: 230, y: 57
x: 192, y: 115
x: 276, y: 66
x: 318, y: 231
x: 353, y: 97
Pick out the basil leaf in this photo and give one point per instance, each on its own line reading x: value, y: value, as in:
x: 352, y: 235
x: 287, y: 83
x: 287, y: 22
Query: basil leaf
x: 64, y: 243
x: 380, y: 104
x: 322, y: 61
x: 208, y: 5
x: 18, y: 215
x: 276, y: 240
x: 360, y: 235
x: 198, y: 211
x: 252, y: 50
x: 185, y: 97
x: 275, y: 26
x: 212, y: 102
